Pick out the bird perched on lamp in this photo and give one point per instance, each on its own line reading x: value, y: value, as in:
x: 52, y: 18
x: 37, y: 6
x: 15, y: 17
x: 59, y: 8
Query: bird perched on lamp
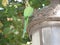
x: 27, y: 13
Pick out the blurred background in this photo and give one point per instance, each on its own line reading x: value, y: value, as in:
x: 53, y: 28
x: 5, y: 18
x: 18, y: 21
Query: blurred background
x: 12, y: 20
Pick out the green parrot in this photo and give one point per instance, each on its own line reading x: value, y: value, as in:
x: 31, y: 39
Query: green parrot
x: 27, y: 13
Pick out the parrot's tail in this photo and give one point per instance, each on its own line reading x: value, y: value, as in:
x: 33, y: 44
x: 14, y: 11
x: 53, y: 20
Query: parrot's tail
x: 25, y: 26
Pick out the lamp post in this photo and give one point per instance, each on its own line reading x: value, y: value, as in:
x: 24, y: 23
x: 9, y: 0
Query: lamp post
x: 45, y: 27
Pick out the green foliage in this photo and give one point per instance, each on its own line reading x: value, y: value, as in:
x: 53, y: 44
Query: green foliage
x: 38, y: 3
x: 35, y: 3
x: 11, y: 25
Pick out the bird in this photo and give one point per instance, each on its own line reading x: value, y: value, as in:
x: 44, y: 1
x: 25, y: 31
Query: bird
x: 28, y: 11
